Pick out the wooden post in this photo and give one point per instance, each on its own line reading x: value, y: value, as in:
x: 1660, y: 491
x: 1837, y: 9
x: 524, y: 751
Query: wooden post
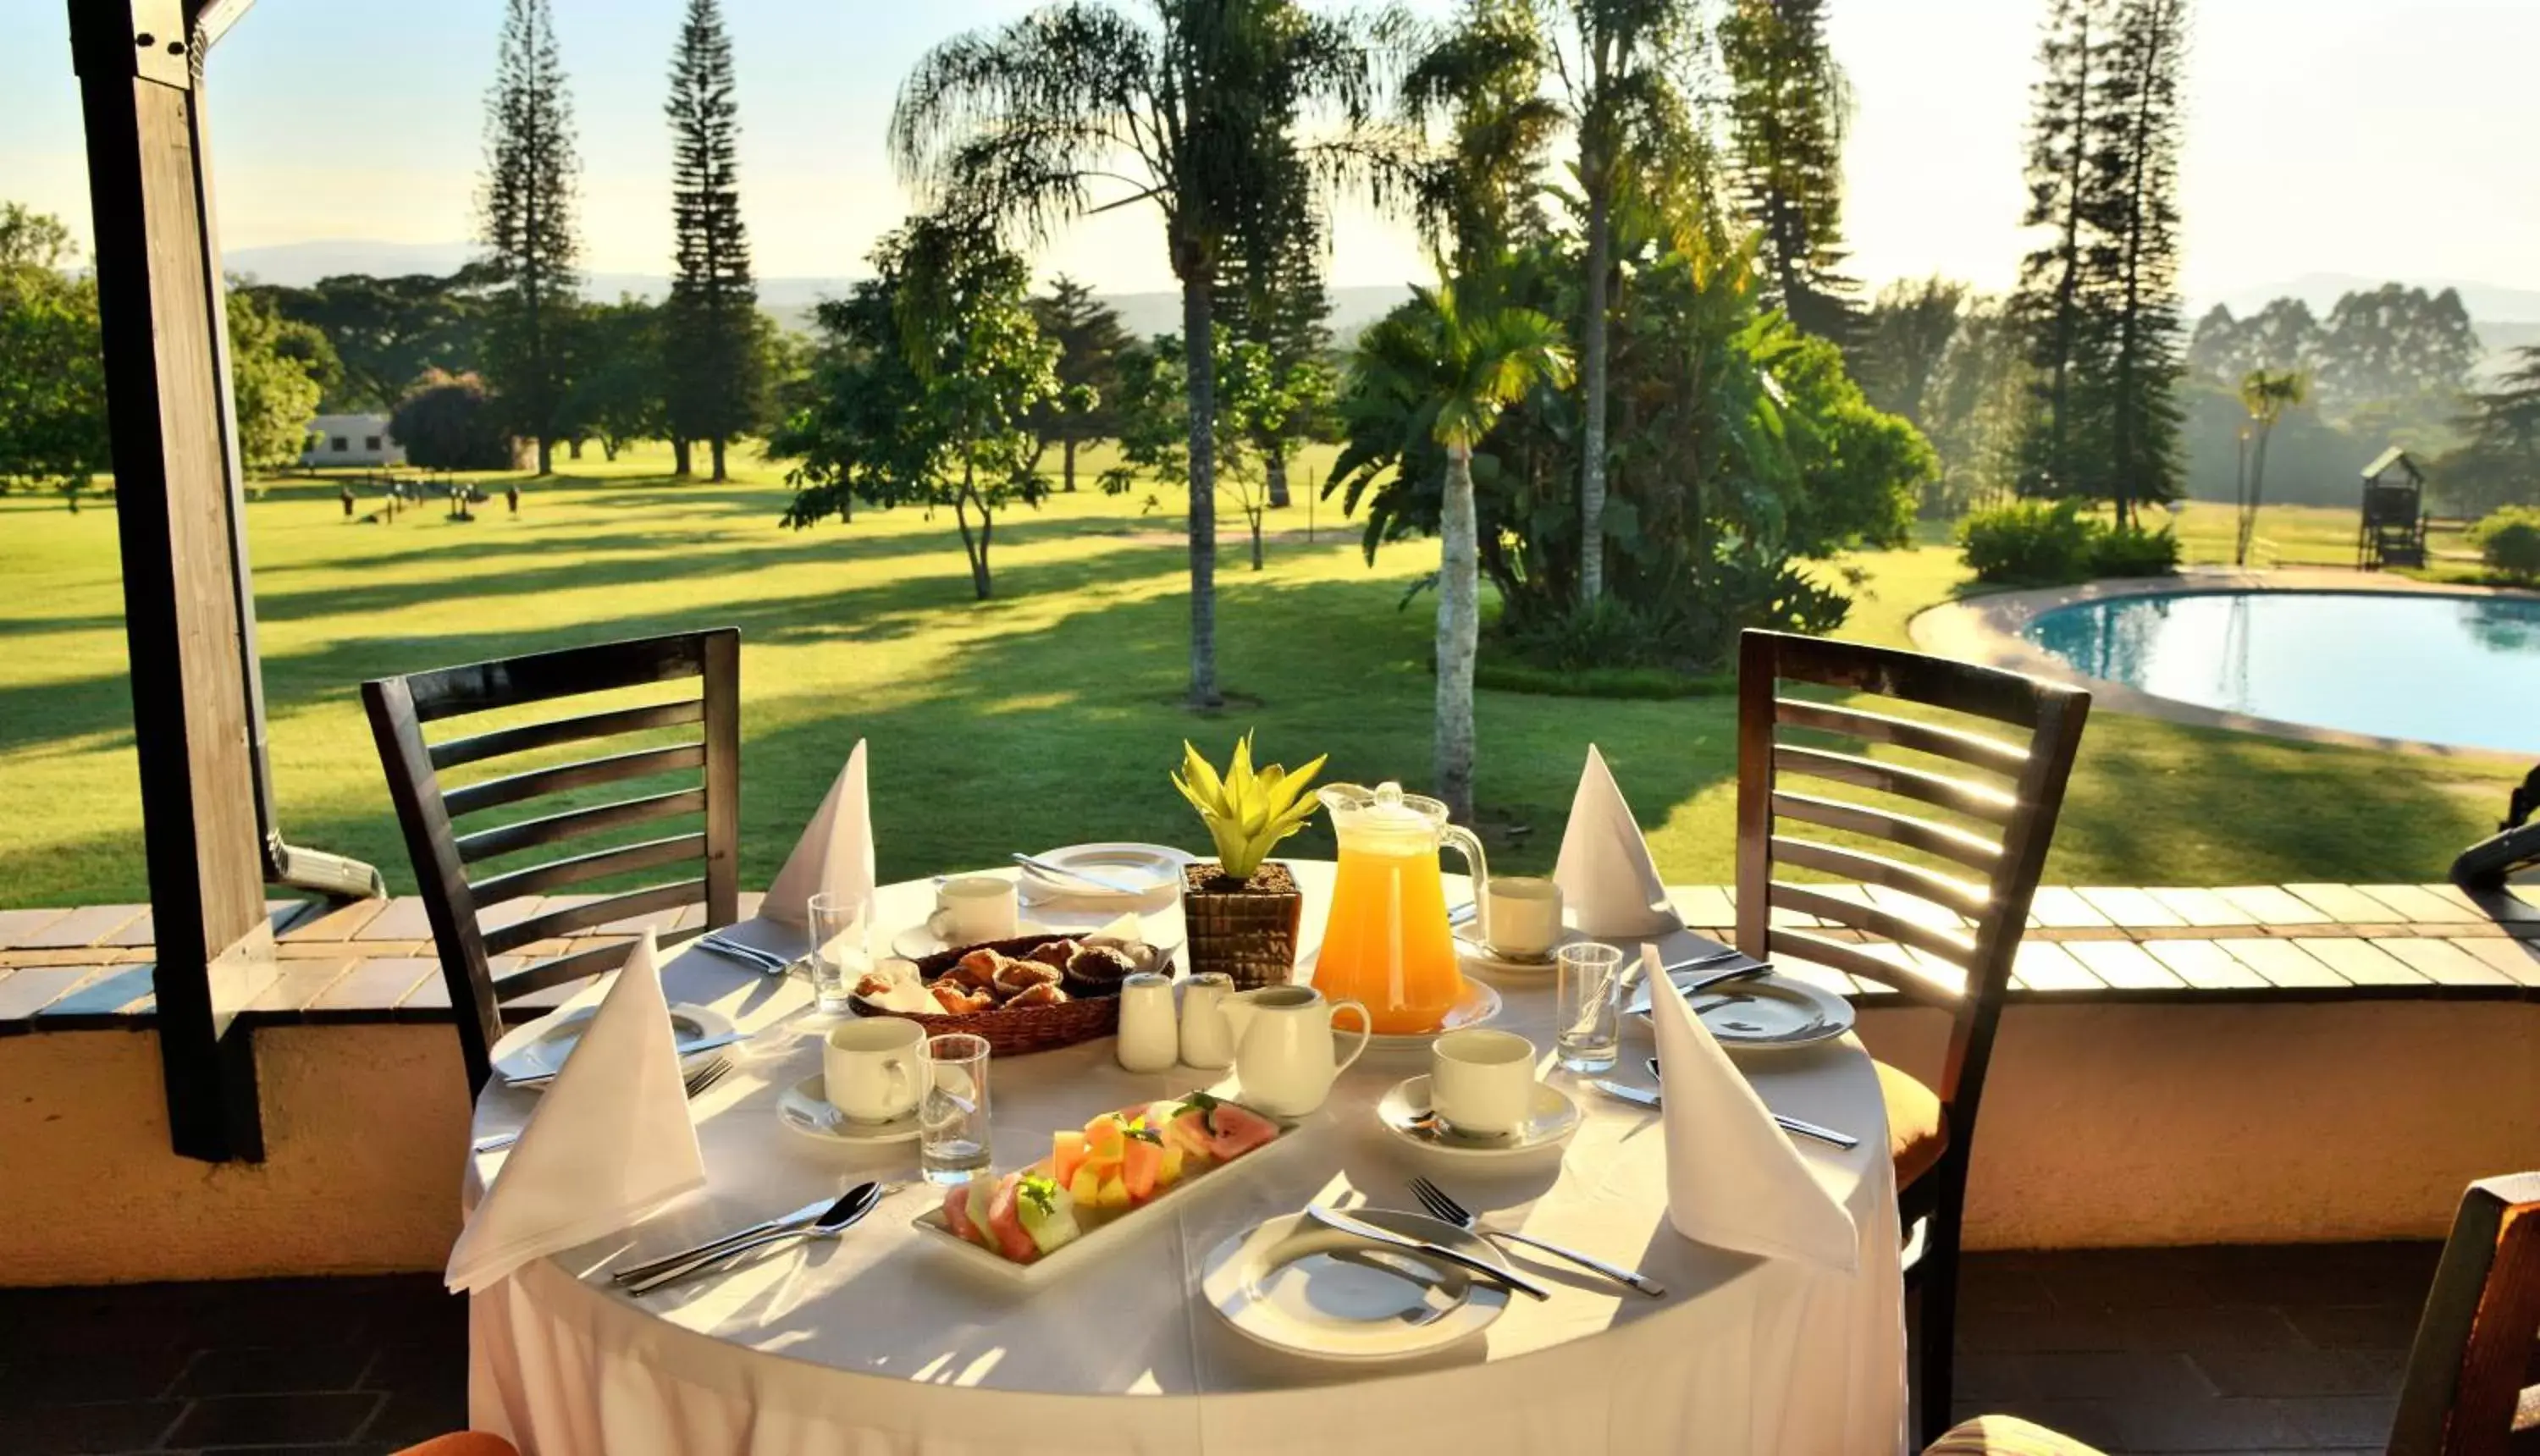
x: 158, y: 308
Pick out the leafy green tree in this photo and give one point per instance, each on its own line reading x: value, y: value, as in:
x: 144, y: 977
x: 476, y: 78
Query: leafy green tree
x: 923, y: 388
x: 52, y: 374
x: 1089, y: 340
x: 387, y: 331
x: 1901, y: 341
x: 1974, y: 411
x: 2282, y: 335
x: 2395, y: 364
x: 1787, y: 104
x: 1482, y: 76
x: 525, y: 224
x: 619, y: 389
x: 1080, y: 108
x: 276, y: 368
x: 1152, y: 412
x: 449, y: 422
x: 709, y: 334
x: 1447, y: 371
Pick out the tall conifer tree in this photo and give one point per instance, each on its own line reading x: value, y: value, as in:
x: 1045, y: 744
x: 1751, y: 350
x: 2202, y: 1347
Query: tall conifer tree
x: 710, y: 334
x: 2138, y: 169
x: 1786, y: 124
x: 526, y: 214
x: 2054, y: 302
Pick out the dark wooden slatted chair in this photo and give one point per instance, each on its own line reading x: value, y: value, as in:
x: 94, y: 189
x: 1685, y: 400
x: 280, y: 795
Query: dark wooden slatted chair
x: 2011, y: 799
x: 455, y: 905
x: 2473, y: 1386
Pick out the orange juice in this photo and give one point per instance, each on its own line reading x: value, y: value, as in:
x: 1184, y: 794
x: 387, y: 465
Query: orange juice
x: 1388, y: 942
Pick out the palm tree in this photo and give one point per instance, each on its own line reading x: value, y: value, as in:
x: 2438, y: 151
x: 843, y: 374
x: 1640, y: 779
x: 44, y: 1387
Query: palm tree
x: 1080, y: 108
x: 2266, y: 395
x: 1449, y: 369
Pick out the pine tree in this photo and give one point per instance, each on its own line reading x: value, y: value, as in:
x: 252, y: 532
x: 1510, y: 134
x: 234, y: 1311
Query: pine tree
x: 1089, y: 340
x: 1271, y: 292
x: 714, y: 363
x: 2053, y: 304
x: 525, y: 211
x: 2139, y: 180
x: 1785, y: 124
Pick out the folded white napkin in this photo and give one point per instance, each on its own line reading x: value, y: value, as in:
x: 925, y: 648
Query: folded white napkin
x: 1734, y: 1181
x: 610, y: 1141
x: 835, y: 853
x: 1606, y: 873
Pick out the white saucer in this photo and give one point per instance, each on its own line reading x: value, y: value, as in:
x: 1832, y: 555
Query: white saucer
x: 1479, y: 1005
x: 539, y: 1048
x: 1296, y: 1285
x: 1156, y: 867
x: 1404, y: 1111
x: 1770, y: 1011
x: 1482, y: 958
x: 804, y: 1108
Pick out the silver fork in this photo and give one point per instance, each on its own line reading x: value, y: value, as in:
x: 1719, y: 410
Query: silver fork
x: 1447, y: 1210
x: 697, y: 1081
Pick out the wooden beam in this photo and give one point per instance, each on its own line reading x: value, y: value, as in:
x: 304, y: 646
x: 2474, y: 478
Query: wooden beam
x: 160, y: 314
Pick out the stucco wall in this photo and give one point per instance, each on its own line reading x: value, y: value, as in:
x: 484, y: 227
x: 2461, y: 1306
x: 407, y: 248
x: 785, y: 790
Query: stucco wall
x: 2102, y: 1125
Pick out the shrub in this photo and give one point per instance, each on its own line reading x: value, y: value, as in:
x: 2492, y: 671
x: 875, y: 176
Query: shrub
x: 2132, y: 551
x: 2509, y: 541
x: 447, y: 422
x: 2037, y: 544
x: 2028, y: 543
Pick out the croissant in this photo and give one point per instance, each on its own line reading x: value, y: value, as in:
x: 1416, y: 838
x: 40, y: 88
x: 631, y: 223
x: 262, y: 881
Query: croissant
x: 1046, y: 993
x: 1018, y: 975
x: 1054, y: 953
x: 978, y: 969
x: 959, y: 1003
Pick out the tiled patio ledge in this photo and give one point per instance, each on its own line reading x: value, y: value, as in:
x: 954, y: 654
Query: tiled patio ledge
x: 371, y: 961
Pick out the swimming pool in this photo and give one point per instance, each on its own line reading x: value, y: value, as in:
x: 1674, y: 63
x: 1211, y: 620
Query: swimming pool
x: 2394, y: 664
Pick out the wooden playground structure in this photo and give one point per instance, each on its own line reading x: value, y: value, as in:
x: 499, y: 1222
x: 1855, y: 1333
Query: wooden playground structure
x: 2392, y: 532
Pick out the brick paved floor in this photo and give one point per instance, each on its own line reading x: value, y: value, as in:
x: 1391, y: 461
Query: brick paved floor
x: 2290, y: 1349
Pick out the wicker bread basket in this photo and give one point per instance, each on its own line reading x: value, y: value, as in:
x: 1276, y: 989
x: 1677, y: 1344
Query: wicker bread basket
x: 1091, y: 1010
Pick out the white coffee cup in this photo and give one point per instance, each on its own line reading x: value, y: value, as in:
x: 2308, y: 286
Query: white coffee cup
x: 1481, y: 1082
x: 972, y: 909
x: 870, y: 1069
x: 1523, y: 915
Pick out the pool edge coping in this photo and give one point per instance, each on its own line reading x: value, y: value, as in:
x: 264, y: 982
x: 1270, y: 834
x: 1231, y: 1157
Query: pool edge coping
x: 1987, y: 627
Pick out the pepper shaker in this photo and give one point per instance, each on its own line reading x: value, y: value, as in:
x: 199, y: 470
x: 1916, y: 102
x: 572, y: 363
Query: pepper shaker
x: 1147, y: 1041
x: 1207, y: 1042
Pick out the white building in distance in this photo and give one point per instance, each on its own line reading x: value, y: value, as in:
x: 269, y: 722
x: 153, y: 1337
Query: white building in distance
x: 351, y: 440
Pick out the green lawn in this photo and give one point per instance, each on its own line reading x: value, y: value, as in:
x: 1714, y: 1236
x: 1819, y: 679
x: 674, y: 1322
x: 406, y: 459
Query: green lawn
x: 1047, y: 716
x: 2300, y: 535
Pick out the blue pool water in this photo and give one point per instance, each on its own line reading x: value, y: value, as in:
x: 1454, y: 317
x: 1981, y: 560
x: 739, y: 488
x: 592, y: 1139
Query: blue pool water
x: 2442, y: 670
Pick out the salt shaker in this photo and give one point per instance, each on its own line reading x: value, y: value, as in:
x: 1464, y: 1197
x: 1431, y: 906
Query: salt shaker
x: 1147, y: 1040
x: 1207, y: 1040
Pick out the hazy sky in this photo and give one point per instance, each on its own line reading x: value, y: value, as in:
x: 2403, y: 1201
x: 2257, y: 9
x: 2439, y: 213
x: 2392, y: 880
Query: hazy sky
x: 2389, y: 138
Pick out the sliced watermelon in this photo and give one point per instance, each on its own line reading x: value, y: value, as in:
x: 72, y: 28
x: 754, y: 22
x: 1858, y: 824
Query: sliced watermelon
x: 956, y: 1212
x: 1137, y: 1169
x: 1236, y: 1131
x: 1005, y: 1223
x: 1188, y: 1131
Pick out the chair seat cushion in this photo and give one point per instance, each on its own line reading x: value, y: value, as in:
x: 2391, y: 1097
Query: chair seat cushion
x: 2005, y: 1435
x: 1917, y: 1133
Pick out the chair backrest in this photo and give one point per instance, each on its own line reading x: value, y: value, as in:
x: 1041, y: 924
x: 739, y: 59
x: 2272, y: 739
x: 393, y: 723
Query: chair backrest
x: 559, y: 814
x: 2002, y: 818
x: 2473, y: 1385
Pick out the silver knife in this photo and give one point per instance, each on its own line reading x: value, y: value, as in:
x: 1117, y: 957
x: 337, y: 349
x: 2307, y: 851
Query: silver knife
x: 686, y: 1050
x: 633, y: 1273
x: 1639, y: 1002
x: 1649, y: 1097
x: 1361, y: 1228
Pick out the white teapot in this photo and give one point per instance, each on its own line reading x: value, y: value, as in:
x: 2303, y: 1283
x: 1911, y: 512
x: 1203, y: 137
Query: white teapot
x: 1283, y: 1045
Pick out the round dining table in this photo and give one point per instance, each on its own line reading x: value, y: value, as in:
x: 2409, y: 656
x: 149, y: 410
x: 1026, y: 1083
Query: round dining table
x: 879, y: 1342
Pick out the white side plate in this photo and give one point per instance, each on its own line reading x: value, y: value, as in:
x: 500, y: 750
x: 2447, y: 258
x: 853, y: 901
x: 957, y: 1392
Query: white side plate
x: 539, y: 1048
x: 1298, y: 1286
x: 1771, y: 1011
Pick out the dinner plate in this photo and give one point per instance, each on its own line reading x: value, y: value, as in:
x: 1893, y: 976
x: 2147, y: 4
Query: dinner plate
x: 1405, y: 1113
x: 539, y: 1048
x: 806, y: 1108
x: 1157, y: 868
x: 1299, y: 1285
x: 1771, y: 1010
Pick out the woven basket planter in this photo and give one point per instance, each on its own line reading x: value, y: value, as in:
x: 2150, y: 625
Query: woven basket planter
x: 1245, y: 929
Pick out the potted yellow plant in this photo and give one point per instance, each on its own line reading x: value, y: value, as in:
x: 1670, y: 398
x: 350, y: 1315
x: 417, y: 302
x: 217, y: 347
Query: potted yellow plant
x: 1239, y: 911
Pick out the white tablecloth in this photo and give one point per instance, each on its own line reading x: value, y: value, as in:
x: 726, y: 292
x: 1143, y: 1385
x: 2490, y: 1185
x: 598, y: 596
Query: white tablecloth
x: 877, y: 1344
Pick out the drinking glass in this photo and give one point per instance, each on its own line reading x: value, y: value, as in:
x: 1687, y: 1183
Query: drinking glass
x: 952, y: 1116
x: 840, y: 954
x: 1587, y: 1016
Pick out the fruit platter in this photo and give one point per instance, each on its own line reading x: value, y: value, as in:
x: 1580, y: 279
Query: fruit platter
x: 1097, y: 1183
x: 1027, y: 993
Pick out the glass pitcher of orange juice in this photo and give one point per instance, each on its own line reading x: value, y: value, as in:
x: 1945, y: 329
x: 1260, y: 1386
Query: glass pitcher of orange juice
x: 1387, y: 944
